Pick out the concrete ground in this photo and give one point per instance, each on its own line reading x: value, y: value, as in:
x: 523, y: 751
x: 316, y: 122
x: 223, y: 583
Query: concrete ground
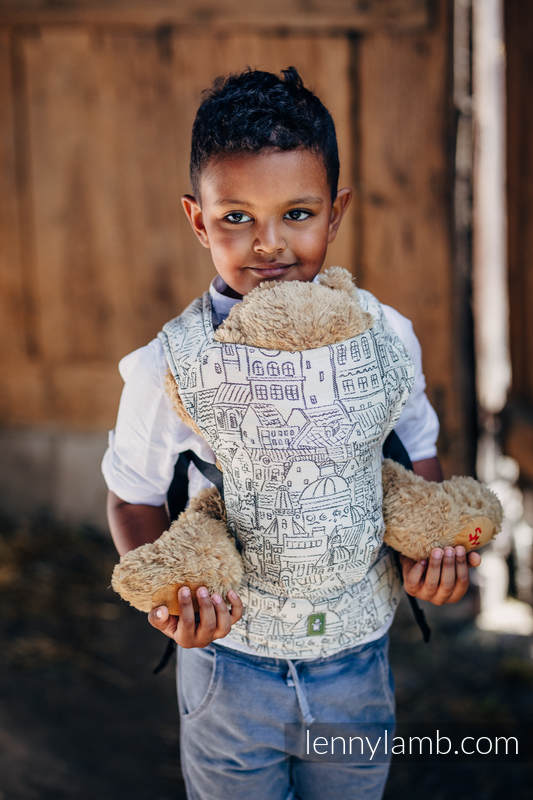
x: 83, y: 716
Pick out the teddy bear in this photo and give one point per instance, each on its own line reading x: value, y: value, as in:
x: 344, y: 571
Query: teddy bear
x: 288, y: 328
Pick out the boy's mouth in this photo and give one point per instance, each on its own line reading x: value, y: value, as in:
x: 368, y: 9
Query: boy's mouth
x: 270, y: 270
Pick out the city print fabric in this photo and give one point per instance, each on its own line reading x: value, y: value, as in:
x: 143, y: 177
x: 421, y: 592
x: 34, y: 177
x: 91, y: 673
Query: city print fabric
x: 298, y: 436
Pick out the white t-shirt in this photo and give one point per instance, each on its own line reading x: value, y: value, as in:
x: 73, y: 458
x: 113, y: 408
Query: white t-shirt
x: 139, y: 462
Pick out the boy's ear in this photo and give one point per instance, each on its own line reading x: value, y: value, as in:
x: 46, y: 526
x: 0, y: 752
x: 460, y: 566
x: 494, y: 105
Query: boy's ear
x: 339, y: 206
x: 194, y: 214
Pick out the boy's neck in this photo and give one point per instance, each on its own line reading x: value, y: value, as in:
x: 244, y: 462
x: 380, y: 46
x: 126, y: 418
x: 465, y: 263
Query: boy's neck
x: 222, y: 287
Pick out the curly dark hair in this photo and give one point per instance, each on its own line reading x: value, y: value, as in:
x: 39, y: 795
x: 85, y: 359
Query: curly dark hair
x: 255, y: 110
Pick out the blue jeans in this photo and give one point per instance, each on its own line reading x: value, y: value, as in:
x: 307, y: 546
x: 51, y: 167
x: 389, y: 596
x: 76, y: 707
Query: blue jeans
x: 234, y: 708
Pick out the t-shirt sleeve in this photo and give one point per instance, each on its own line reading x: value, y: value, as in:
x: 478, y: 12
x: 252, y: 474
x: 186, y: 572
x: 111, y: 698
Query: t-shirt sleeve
x: 148, y: 437
x: 418, y: 425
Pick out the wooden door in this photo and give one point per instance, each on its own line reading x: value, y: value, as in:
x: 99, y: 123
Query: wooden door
x: 98, y: 101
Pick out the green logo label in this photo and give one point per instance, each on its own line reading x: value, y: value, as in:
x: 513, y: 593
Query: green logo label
x: 316, y: 624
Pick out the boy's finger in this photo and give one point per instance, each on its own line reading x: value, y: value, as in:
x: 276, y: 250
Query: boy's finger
x: 474, y: 559
x: 165, y: 622
x: 461, y: 567
x: 223, y: 619
x: 412, y: 575
x: 236, y: 606
x: 432, y: 578
x: 208, y: 621
x: 447, y: 576
x: 461, y: 575
x: 186, y: 623
x: 158, y: 616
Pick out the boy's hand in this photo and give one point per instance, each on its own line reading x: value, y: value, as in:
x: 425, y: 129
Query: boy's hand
x: 444, y: 580
x: 215, y: 618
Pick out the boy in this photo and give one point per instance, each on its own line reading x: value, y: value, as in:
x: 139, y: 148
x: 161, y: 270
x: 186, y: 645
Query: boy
x: 264, y: 172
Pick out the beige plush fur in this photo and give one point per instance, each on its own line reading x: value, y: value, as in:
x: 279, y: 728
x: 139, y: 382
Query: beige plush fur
x: 197, y: 549
x: 295, y: 315
x: 420, y: 514
x: 208, y: 501
x: 171, y: 388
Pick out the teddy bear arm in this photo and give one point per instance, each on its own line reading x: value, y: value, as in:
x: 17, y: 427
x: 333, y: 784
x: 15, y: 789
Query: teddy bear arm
x: 195, y: 551
x: 420, y: 515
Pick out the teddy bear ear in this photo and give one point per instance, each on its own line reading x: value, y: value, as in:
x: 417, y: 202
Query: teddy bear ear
x: 338, y: 278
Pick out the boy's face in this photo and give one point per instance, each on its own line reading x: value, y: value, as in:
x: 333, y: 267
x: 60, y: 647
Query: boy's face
x: 266, y: 215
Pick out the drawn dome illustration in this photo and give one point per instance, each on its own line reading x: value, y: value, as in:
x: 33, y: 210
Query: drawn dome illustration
x: 327, y: 485
x: 337, y: 553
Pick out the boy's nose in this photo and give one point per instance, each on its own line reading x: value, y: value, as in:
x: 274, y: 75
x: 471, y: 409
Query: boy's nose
x: 269, y: 240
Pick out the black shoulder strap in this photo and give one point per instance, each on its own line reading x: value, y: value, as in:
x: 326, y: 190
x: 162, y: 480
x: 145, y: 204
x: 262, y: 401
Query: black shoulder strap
x: 394, y: 449
x: 178, y: 492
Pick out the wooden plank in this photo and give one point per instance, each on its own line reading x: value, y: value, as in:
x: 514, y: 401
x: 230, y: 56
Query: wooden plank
x: 518, y: 415
x: 519, y: 57
x: 13, y: 343
x: 140, y: 151
x: 85, y: 395
x: 25, y: 397
x: 340, y: 15
x: 102, y: 124
x: 405, y: 183
x: 71, y: 396
x: 61, y: 100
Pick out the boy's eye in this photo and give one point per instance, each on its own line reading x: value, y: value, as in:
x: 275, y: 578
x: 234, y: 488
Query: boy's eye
x: 236, y: 217
x: 239, y: 217
x: 298, y: 214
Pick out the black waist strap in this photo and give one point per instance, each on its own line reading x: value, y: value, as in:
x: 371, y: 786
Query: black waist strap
x: 177, y: 498
x: 394, y: 449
